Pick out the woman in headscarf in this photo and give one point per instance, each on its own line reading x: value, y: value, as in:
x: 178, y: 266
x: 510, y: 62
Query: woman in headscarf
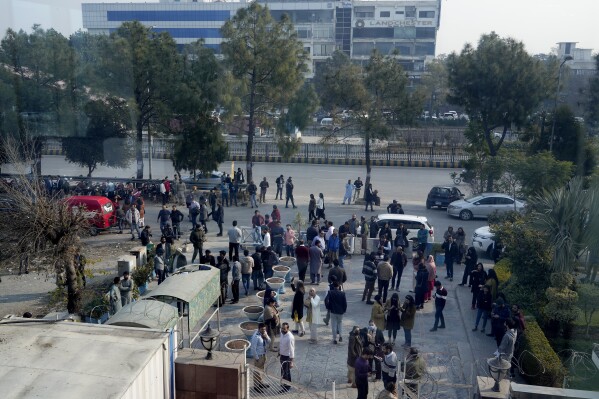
x: 378, y: 314
x: 393, y: 316
x: 431, y: 268
x: 492, y: 282
x: 312, y: 303
x: 272, y: 320
x: 297, y: 308
x: 469, y: 265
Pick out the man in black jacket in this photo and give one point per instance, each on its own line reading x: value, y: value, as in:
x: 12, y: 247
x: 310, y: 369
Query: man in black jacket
x: 289, y: 193
x: 451, y: 254
x: 257, y: 271
x: 336, y: 303
x: 176, y: 219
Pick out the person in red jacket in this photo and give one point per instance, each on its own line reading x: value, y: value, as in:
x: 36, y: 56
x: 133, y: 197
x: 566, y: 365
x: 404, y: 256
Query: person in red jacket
x: 302, y: 256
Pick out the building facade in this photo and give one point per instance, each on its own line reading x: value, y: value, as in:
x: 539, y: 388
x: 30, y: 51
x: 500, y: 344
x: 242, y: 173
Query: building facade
x: 405, y: 29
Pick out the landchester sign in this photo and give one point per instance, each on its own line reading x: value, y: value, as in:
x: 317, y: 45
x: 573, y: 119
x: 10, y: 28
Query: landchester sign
x: 411, y: 22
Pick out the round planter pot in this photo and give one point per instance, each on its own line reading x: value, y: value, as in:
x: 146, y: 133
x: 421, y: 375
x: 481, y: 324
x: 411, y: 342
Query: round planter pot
x: 253, y: 312
x: 288, y: 261
x: 280, y: 271
x: 248, y: 328
x: 260, y: 296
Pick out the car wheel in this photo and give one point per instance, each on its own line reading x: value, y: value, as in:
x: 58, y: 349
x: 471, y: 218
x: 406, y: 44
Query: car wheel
x: 465, y: 215
x: 428, y: 205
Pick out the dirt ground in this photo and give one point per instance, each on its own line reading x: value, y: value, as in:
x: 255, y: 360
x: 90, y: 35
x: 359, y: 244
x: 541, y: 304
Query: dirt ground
x: 31, y: 292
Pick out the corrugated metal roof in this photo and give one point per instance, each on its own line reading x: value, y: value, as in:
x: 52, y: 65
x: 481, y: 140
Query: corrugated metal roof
x: 73, y: 360
x: 147, y: 313
x: 185, y: 286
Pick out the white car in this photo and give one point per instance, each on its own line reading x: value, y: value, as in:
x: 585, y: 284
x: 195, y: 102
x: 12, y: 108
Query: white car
x: 411, y: 222
x: 483, y: 240
x: 483, y: 205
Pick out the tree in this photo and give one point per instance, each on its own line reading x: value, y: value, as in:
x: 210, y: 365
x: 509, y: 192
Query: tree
x: 266, y: 63
x: 434, y: 85
x: 498, y: 84
x: 144, y: 67
x: 200, y: 145
x: 566, y: 219
x: 47, y: 228
x: 588, y: 302
x: 105, y: 140
x: 376, y: 95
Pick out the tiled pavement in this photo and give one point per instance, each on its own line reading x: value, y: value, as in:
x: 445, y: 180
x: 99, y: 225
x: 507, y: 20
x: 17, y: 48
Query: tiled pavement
x: 453, y: 355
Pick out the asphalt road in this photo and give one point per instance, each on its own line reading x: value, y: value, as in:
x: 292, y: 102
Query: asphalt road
x: 409, y: 186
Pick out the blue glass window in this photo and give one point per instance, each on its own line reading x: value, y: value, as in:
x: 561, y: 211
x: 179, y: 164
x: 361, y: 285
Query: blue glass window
x: 190, y: 15
x: 187, y: 33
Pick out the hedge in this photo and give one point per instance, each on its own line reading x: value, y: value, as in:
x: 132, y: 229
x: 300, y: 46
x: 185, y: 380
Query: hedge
x: 503, y: 269
x: 543, y: 356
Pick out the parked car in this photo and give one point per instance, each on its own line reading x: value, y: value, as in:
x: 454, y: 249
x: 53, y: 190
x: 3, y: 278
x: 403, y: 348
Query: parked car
x: 203, y: 181
x: 481, y: 206
x: 442, y: 196
x: 483, y: 240
x: 411, y: 222
x: 100, y: 210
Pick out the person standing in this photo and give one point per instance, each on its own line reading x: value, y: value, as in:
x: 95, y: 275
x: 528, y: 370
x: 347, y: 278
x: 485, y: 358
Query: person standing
x: 311, y: 208
x: 181, y: 191
x: 469, y: 266
x: 260, y: 341
x: 263, y: 188
x: 223, y: 265
x: 421, y: 285
x: 369, y: 197
x: 313, y: 314
x: 203, y: 214
x: 484, y: 304
x: 399, y: 260
x: 508, y: 341
x: 477, y: 280
x: 384, y: 272
x: 163, y: 217
x: 163, y: 192
x: 500, y: 314
x: 336, y: 303
x: 289, y: 239
x: 159, y: 266
x: 235, y: 277
x: 176, y: 219
x: 247, y: 264
x: 348, y: 193
x: 377, y: 314
x: 114, y: 295
x: 302, y: 256
x: 415, y: 369
x: 357, y: 188
x: 289, y: 193
x: 278, y: 238
x: 422, y: 237
x: 316, y: 257
x: 197, y: 238
x: 234, y: 234
x: 320, y: 207
x: 369, y: 271
x: 451, y: 255
x: 126, y: 286
x: 408, y: 314
x: 392, y: 310
x: 271, y: 318
x: 440, y: 299
x: 362, y: 370
x: 333, y: 247
x: 257, y: 273
x: 275, y: 215
x: 145, y: 236
x: 224, y: 192
x: 389, y: 364
x: 252, y: 192
x: 132, y: 217
x: 364, y: 233
x: 297, y: 309
x: 354, y: 350
x: 219, y: 217
x: 257, y: 223
x: 287, y: 354
x: 280, y: 183
x: 431, y: 268
x: 337, y: 274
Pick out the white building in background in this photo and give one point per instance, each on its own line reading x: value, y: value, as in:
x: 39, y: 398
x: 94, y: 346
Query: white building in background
x: 408, y: 28
x: 583, y: 62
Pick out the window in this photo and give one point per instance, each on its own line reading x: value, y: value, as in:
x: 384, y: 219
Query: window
x: 486, y: 201
x: 363, y: 49
x: 404, y: 32
x: 364, y: 14
x: 425, y: 49
x: 385, y: 14
x: 373, y: 33
x: 425, y: 33
x: 385, y: 48
x: 410, y: 12
x: 426, y: 14
x: 504, y: 201
x: 399, y: 13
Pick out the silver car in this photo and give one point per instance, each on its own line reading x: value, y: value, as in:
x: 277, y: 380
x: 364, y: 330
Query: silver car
x: 481, y: 206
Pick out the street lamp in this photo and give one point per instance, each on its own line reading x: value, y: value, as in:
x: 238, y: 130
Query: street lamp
x: 208, y: 338
x: 559, y: 79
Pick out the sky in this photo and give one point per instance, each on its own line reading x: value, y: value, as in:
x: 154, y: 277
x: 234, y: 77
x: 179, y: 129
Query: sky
x: 538, y: 23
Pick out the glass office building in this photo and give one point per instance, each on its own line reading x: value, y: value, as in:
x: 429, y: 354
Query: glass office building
x: 407, y: 29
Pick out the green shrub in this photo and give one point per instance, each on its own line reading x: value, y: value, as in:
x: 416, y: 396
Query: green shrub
x: 543, y: 356
x: 503, y: 268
